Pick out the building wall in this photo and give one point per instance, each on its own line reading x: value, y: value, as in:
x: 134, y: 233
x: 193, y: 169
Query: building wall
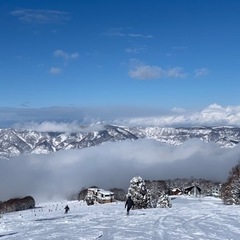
x: 101, y: 195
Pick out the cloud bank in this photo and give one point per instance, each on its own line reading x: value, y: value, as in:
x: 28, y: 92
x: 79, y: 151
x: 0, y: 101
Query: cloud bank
x: 54, y: 176
x: 71, y: 117
x: 59, y: 126
x: 213, y: 115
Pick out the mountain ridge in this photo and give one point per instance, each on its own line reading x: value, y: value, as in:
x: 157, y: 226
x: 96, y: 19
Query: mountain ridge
x: 15, y: 142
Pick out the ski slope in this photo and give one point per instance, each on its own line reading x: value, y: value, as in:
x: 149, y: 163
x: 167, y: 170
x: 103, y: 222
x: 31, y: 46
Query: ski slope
x: 189, y: 218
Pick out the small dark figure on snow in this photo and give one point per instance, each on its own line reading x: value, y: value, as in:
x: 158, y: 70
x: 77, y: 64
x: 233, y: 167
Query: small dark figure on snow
x: 67, y: 209
x: 129, y: 204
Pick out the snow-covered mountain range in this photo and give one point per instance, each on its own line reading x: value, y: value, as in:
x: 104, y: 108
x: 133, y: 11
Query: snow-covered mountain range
x: 14, y: 142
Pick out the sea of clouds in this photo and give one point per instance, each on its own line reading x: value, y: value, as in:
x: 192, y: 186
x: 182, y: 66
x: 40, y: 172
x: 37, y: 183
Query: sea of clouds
x: 110, y: 165
x: 60, y: 174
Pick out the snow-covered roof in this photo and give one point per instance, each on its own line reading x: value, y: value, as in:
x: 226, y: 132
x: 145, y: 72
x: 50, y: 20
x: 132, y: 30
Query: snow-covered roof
x: 100, y: 190
x: 93, y: 189
x: 105, y: 192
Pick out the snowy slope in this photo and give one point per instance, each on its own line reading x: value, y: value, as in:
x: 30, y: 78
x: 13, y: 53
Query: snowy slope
x: 189, y: 218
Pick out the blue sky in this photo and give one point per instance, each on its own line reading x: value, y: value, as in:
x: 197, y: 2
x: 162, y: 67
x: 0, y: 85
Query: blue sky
x: 154, y: 54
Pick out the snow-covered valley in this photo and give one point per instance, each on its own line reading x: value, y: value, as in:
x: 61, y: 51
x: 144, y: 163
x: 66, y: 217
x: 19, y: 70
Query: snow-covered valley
x: 197, y: 218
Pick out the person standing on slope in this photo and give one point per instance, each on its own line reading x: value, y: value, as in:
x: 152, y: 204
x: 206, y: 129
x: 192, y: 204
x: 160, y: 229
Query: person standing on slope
x: 129, y: 204
x: 67, y: 209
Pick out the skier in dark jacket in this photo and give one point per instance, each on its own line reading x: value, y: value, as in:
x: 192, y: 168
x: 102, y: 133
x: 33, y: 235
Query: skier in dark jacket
x: 129, y: 204
x: 67, y: 209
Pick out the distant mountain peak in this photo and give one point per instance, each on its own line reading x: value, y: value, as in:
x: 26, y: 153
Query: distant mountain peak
x: 15, y: 142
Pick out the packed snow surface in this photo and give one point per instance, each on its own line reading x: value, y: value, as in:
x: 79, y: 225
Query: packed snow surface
x: 189, y: 218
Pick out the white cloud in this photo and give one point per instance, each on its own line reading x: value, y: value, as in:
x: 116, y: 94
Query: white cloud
x: 178, y: 110
x: 201, y: 72
x: 141, y: 71
x: 74, y: 55
x: 138, y: 35
x: 176, y: 72
x: 41, y: 16
x: 121, y: 32
x: 61, y: 54
x: 66, y: 56
x: 146, y: 72
x: 111, y: 165
x: 55, y: 70
x: 53, y: 126
x: 134, y: 50
x: 213, y: 115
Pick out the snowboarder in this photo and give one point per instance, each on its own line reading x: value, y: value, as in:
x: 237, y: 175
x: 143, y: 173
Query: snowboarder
x: 129, y: 204
x: 67, y: 209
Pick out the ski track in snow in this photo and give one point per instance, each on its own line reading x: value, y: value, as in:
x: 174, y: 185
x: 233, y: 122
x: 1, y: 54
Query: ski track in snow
x: 189, y: 218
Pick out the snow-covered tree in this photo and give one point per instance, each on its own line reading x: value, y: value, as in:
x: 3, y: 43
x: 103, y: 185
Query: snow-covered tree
x: 119, y: 194
x: 90, y: 199
x: 231, y: 189
x: 17, y: 204
x: 143, y: 197
x: 156, y: 187
x: 139, y: 193
x: 164, y: 201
